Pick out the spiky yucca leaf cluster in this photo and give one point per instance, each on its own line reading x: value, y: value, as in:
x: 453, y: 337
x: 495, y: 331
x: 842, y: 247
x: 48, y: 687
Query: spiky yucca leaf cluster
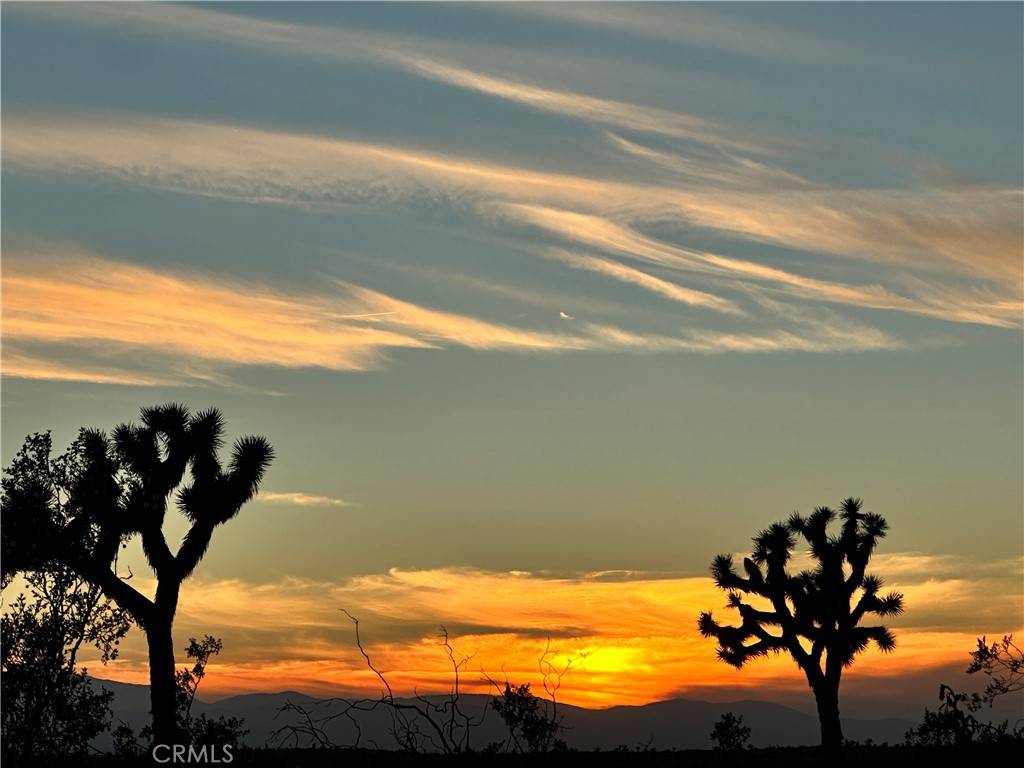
x: 117, y: 486
x: 77, y: 510
x: 822, y: 606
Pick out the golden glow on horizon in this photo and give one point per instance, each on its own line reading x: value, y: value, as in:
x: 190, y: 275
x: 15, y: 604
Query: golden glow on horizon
x: 637, y: 633
x: 562, y: 201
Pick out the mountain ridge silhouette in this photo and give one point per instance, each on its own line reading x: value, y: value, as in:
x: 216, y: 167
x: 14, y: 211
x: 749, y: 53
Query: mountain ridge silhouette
x: 676, y: 723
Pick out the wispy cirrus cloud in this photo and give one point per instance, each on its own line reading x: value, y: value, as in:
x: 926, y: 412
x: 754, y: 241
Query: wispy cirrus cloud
x: 718, y: 169
x: 26, y: 366
x: 696, y: 26
x: 978, y: 306
x: 627, y: 274
x: 619, y: 114
x: 274, y: 167
x: 407, y: 54
x: 974, y: 233
x: 195, y: 327
x: 213, y: 323
x: 976, y: 229
x: 354, y: 329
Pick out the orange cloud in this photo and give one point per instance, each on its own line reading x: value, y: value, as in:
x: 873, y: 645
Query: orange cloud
x: 94, y: 303
x: 28, y: 367
x: 301, y: 499
x: 636, y: 632
x: 122, y: 320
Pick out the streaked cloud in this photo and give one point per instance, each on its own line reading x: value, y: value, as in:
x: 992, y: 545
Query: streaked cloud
x: 987, y: 308
x: 76, y: 298
x: 825, y: 333
x: 87, y: 300
x: 637, y: 629
x: 298, y: 498
x: 975, y: 234
x: 408, y: 55
x: 609, y: 112
x: 947, y: 253
x: 274, y: 167
x: 627, y: 274
x: 25, y: 366
x: 976, y: 230
x: 196, y: 327
x: 721, y: 168
x: 698, y: 26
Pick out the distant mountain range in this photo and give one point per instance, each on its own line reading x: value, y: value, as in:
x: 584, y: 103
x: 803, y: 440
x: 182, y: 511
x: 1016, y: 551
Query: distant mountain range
x: 671, y: 724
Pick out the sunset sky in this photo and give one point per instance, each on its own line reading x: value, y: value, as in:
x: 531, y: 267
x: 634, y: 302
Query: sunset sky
x: 541, y: 306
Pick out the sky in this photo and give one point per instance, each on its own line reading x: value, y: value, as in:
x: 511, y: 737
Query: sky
x: 541, y: 306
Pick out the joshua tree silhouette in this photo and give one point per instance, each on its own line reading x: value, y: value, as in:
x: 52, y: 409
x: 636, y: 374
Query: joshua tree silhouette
x: 823, y: 606
x: 109, y: 490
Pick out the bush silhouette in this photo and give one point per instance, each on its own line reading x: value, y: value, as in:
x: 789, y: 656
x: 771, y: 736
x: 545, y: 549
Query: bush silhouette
x: 109, y: 490
x: 822, y: 606
x: 730, y: 734
x: 201, y: 730
x: 531, y: 727
x: 954, y: 723
x: 51, y: 709
x: 1002, y: 663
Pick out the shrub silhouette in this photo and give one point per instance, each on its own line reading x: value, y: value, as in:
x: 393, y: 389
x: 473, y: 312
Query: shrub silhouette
x: 420, y: 724
x: 1002, y: 663
x: 534, y: 723
x: 109, y: 490
x: 730, y: 734
x: 51, y: 710
x: 201, y: 730
x: 953, y: 723
x: 823, y: 606
x: 530, y: 726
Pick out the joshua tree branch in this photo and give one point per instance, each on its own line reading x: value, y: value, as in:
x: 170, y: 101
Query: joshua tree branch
x: 154, y: 545
x: 193, y: 547
x: 138, y: 605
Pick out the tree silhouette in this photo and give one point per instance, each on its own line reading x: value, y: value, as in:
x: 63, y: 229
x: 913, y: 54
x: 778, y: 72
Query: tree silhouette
x: 530, y: 727
x: 1003, y: 664
x: 814, y: 614
x: 79, y: 509
x: 954, y: 723
x: 534, y: 722
x: 51, y: 708
x: 730, y: 734
x: 200, y: 731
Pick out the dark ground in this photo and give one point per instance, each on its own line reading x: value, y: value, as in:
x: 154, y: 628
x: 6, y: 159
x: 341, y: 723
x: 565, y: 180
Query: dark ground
x: 855, y: 755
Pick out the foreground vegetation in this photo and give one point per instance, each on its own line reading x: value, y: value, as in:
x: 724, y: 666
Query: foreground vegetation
x: 67, y: 517
x: 878, y: 756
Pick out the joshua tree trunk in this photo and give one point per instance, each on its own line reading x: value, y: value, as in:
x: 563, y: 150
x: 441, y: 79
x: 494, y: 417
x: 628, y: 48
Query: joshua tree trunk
x: 122, y: 494
x: 818, y: 611
x: 827, y: 697
x: 162, y: 687
x: 162, y: 671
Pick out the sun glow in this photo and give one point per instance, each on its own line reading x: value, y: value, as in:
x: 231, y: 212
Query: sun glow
x: 619, y: 641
